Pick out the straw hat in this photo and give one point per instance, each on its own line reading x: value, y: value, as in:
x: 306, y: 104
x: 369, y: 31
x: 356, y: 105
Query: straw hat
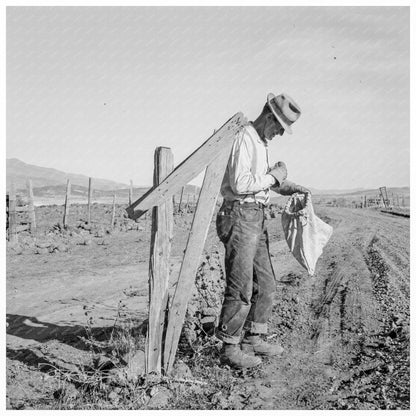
x: 284, y: 109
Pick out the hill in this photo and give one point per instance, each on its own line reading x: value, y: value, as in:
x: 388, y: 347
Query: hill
x: 397, y: 195
x: 49, y: 183
x: 18, y: 172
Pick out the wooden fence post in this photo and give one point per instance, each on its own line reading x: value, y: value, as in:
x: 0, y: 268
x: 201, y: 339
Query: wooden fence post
x: 180, y: 200
x: 12, y: 214
x: 89, y: 200
x: 113, y: 213
x: 131, y: 192
x: 31, y: 207
x: 66, y: 208
x: 160, y: 246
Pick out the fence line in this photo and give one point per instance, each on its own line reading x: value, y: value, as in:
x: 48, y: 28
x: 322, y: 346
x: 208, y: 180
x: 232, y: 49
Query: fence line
x: 12, y: 223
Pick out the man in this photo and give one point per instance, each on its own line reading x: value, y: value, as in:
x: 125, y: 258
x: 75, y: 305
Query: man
x: 250, y: 280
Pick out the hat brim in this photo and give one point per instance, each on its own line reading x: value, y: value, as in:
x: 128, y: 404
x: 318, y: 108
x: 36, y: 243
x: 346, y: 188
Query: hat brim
x: 270, y: 98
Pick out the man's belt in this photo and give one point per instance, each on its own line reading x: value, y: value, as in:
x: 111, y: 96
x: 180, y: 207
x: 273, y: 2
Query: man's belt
x: 242, y: 204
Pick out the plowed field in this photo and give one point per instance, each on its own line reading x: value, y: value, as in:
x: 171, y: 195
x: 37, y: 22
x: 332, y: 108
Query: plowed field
x: 345, y: 330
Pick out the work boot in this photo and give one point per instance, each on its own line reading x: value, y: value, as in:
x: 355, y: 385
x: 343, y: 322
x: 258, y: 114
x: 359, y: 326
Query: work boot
x: 232, y: 355
x: 253, y: 344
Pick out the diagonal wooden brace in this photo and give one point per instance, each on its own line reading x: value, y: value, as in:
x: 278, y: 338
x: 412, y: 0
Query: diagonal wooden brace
x: 196, y: 240
x: 189, y: 168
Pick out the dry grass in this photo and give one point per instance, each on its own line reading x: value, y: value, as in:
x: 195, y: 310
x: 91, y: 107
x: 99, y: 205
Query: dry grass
x: 100, y: 386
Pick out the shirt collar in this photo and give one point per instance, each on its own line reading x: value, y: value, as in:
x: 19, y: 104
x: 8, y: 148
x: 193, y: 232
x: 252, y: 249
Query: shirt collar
x: 253, y: 133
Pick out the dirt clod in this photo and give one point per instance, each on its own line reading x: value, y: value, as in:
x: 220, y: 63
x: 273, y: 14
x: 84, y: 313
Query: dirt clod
x: 135, y: 364
x: 160, y: 399
x: 181, y: 371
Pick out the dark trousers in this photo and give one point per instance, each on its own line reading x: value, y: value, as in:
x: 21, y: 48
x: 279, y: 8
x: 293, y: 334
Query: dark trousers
x: 250, y: 280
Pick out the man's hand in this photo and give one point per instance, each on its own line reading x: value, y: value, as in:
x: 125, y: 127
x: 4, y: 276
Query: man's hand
x: 279, y: 172
x: 289, y: 188
x: 301, y: 189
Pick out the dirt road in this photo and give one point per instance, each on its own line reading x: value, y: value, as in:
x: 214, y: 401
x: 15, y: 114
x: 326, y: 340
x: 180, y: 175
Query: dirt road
x: 345, y: 330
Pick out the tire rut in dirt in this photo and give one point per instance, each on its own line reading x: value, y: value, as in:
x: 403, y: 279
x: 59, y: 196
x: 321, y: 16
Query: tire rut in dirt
x: 362, y: 326
x: 346, y: 318
x: 392, y: 343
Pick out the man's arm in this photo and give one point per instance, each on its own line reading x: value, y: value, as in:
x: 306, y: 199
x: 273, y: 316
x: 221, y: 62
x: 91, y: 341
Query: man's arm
x: 289, y: 188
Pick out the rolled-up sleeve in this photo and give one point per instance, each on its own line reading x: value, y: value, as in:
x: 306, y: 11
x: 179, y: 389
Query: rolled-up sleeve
x: 242, y: 179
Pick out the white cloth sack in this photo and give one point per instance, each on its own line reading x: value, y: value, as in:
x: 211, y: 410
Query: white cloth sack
x: 305, y: 233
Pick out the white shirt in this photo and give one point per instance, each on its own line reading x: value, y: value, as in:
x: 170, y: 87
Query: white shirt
x: 246, y: 178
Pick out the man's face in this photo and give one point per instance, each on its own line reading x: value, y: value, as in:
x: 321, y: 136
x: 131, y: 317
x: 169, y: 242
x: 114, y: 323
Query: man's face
x: 272, y: 127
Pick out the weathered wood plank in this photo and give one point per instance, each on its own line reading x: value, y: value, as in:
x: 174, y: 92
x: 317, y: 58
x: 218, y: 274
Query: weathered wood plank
x: 189, y: 168
x: 180, y: 201
x: 67, y: 203
x: 131, y: 192
x: 160, y: 247
x: 401, y: 214
x: 202, y: 219
x: 31, y: 207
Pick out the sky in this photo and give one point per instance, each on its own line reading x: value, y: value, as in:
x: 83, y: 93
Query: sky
x: 94, y: 90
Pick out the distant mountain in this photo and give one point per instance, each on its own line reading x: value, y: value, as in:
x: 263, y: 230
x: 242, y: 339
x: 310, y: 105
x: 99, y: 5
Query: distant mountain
x: 50, y: 183
x: 356, y: 195
x: 18, y: 172
x: 404, y: 190
x: 335, y: 191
